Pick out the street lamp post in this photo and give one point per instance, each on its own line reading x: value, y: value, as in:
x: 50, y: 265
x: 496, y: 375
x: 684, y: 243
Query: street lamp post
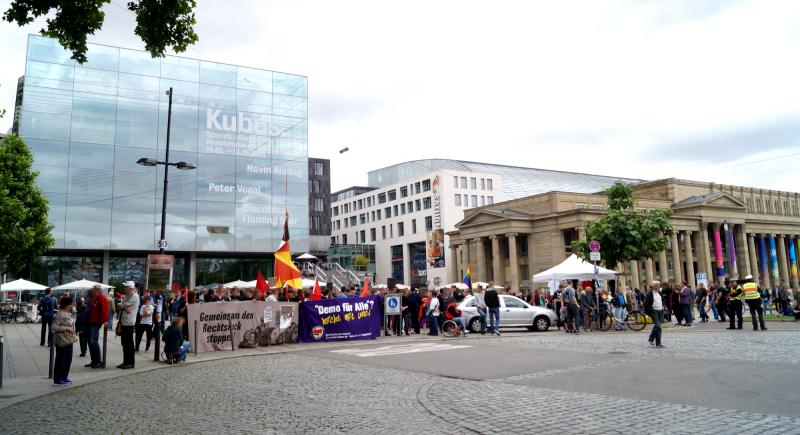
x: 162, y: 242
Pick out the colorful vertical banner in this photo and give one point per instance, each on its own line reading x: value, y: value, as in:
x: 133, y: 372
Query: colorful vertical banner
x: 731, y: 251
x: 773, y: 256
x: 762, y: 255
x: 793, y: 258
x: 718, y: 252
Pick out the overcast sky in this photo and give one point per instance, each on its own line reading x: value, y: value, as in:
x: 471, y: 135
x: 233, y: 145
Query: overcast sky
x: 704, y: 90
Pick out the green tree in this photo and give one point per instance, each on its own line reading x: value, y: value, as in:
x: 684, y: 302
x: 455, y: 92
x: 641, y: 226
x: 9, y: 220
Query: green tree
x: 160, y: 24
x: 24, y: 230
x: 623, y: 232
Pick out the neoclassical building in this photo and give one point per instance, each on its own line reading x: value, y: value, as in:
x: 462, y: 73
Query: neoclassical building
x: 721, y: 230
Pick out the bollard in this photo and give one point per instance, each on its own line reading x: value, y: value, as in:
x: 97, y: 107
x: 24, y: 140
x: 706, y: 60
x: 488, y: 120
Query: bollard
x: 157, y: 330
x: 194, y: 345
x: 2, y: 358
x: 52, y: 356
x: 105, y: 345
x: 230, y: 329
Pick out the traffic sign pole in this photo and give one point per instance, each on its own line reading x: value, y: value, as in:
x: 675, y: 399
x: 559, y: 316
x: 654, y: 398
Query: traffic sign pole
x: 594, y: 255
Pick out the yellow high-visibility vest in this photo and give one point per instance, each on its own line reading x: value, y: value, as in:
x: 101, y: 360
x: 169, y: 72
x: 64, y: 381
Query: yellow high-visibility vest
x: 751, y: 291
x: 735, y: 293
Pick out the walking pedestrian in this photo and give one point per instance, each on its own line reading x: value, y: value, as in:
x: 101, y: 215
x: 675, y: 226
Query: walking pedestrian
x: 492, y: 302
x: 433, y: 314
x: 480, y: 304
x: 47, y: 310
x: 753, y: 299
x: 735, y: 305
x: 619, y: 309
x: 653, y: 307
x: 701, y: 298
x: 129, y: 307
x: 571, y: 304
x: 64, y: 328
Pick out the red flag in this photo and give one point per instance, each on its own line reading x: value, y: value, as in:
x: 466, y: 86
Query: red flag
x: 186, y: 293
x: 261, y: 284
x: 317, y: 294
x: 365, y: 291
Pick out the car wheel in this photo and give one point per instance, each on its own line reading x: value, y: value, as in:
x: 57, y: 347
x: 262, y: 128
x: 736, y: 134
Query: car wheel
x: 541, y: 323
x: 475, y: 324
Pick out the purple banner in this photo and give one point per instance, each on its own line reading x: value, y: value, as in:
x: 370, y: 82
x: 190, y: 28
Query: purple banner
x: 340, y: 319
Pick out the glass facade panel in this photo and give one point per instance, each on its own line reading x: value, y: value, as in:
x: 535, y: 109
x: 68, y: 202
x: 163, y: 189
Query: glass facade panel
x: 245, y: 129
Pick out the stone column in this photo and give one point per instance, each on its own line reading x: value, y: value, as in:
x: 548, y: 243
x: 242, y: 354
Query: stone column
x: 581, y: 233
x: 106, y: 264
x: 662, y: 264
x: 687, y: 241
x: 677, y: 266
x: 453, y: 263
x: 635, y: 273
x: 621, y: 283
x: 648, y: 270
x: 513, y: 265
x: 751, y: 248
x: 192, y: 270
x: 465, y: 256
x: 497, y: 272
x: 481, y: 259
x: 744, y: 252
x: 783, y: 259
x: 531, y: 257
x: 731, y: 251
x: 705, y: 252
x: 763, y: 255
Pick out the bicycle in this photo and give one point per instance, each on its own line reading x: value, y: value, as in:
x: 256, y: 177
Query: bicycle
x: 451, y: 329
x: 635, y: 320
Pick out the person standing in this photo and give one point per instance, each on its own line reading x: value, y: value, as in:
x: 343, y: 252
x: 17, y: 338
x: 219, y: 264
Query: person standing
x: 492, y: 302
x: 433, y: 314
x: 129, y: 307
x: 47, y: 310
x: 735, y: 305
x: 653, y: 307
x: 80, y: 326
x: 587, y: 307
x: 480, y: 304
x: 414, y: 303
x: 145, y: 326
x: 571, y: 303
x: 63, y: 324
x: 765, y: 300
x: 96, y: 317
x: 111, y: 308
x: 666, y: 299
x: 702, y: 298
x: 753, y: 299
x: 722, y: 302
x: 686, y: 303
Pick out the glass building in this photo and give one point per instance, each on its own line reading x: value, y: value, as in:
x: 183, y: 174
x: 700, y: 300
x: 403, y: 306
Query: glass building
x: 245, y: 129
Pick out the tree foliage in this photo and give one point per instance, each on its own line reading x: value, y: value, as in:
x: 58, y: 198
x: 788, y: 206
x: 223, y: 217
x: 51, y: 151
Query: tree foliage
x: 623, y: 232
x: 24, y: 230
x: 160, y: 24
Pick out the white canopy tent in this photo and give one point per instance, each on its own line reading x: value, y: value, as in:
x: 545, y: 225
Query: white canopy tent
x: 458, y: 285
x: 21, y: 284
x: 574, y: 268
x: 240, y: 284
x: 306, y: 256
x: 81, y: 285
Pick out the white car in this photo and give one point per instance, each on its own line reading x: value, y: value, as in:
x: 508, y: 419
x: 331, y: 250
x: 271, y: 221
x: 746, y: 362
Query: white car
x: 514, y: 313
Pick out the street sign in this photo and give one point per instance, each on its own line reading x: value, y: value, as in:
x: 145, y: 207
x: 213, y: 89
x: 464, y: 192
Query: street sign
x: 594, y: 246
x: 594, y: 256
x: 162, y: 244
x: 392, y: 305
x: 701, y: 278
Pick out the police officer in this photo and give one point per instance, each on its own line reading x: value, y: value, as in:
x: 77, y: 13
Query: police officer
x: 735, y: 304
x: 753, y: 299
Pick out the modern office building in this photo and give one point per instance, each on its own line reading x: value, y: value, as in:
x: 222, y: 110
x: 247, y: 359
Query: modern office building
x: 408, y: 209
x: 245, y: 130
x: 719, y: 230
x: 319, y: 205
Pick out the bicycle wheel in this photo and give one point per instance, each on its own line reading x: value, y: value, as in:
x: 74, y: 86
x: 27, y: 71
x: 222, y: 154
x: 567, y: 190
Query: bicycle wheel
x: 448, y: 328
x: 605, y: 321
x: 636, y: 321
x: 21, y: 317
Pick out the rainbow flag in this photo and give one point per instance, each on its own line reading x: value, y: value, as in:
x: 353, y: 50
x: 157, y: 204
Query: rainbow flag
x: 286, y: 273
x: 468, y: 277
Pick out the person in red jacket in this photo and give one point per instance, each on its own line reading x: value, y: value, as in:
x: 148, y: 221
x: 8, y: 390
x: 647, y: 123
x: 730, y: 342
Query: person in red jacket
x: 96, y: 317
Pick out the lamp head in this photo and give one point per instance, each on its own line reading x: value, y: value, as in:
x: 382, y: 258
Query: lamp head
x: 146, y: 161
x: 185, y: 166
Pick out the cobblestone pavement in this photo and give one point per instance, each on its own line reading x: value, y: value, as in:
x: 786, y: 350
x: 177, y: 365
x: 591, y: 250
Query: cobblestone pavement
x: 291, y: 393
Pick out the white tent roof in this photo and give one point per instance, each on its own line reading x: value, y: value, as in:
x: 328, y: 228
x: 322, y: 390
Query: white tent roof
x: 240, y: 284
x: 574, y: 268
x: 307, y: 282
x: 21, y: 284
x: 306, y: 256
x: 81, y: 285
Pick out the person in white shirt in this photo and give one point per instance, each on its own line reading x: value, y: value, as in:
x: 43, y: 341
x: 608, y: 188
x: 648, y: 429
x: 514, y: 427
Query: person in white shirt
x: 273, y: 296
x: 433, y: 314
x: 654, y: 306
x: 481, y: 305
x: 145, y: 325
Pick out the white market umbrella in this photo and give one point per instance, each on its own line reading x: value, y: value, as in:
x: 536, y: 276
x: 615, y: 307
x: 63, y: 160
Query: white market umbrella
x: 401, y: 287
x: 306, y: 256
x: 81, y: 285
x: 458, y: 285
x: 574, y: 268
x: 21, y: 284
x: 378, y: 286
x: 479, y: 283
x: 239, y: 284
x: 309, y: 283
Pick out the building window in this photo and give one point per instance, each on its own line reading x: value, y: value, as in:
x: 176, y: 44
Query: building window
x: 391, y: 230
x: 413, y: 226
x: 463, y: 182
x: 455, y: 181
x: 426, y: 185
x: 418, y: 204
x: 392, y: 195
x: 336, y: 211
x: 483, y: 200
x: 344, y: 239
x: 310, y: 186
x: 379, y: 214
x: 362, y: 218
x: 388, y: 212
x: 352, y: 221
x: 400, y: 229
x: 396, y: 211
x: 466, y: 200
x: 473, y: 183
x: 428, y: 223
x: 319, y: 204
x: 383, y: 232
x: 416, y: 187
x: 457, y: 198
x: 474, y: 200
x: 403, y: 192
x: 360, y: 204
x: 372, y: 234
x: 490, y: 200
x: 489, y: 184
x: 426, y: 202
x: 345, y: 222
x: 317, y: 186
x: 333, y: 241
x: 483, y: 184
x: 369, y: 201
x: 373, y: 215
x: 363, y: 236
x: 319, y: 168
x: 410, y: 206
x: 403, y: 208
x: 381, y: 198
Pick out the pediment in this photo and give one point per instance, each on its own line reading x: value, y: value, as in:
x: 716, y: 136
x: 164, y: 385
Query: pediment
x: 486, y: 216
x: 712, y: 200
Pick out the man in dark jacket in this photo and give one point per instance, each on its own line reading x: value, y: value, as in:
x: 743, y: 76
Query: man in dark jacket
x: 174, y: 346
x: 492, y: 302
x: 414, y: 302
x: 47, y: 310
